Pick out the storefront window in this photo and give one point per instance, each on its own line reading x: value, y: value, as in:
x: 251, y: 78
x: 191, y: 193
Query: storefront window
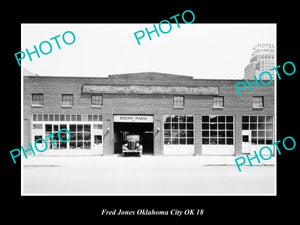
x: 261, y: 129
x: 178, y: 130
x: 80, y: 136
x: 217, y: 130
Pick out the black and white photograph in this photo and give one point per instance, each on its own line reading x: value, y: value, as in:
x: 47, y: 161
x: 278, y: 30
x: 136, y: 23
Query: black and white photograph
x: 164, y: 116
x: 167, y: 113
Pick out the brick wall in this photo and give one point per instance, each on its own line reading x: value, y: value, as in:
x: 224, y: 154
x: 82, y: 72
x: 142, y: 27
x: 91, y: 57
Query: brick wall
x: 158, y: 105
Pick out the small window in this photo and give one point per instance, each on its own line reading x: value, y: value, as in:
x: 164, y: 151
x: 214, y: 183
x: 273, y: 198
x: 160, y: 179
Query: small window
x: 178, y: 101
x: 218, y: 102
x: 37, y: 99
x: 97, y: 100
x: 67, y: 99
x: 258, y: 102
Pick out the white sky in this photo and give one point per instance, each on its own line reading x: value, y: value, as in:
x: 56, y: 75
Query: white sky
x: 214, y: 51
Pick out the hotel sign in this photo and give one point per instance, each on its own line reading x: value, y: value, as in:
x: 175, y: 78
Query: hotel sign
x: 133, y: 119
x: 149, y: 89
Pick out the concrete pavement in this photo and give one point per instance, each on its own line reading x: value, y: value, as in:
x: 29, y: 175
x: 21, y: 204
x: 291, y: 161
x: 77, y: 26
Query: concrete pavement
x: 148, y: 175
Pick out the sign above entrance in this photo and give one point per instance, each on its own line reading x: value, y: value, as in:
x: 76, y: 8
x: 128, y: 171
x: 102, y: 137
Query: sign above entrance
x: 149, y: 89
x: 133, y: 119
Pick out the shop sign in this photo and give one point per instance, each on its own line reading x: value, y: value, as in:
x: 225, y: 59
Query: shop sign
x: 149, y: 89
x: 133, y: 119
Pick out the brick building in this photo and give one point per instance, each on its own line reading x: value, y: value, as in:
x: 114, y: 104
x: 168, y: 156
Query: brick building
x: 174, y: 114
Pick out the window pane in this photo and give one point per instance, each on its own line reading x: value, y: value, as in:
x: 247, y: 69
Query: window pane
x: 245, y: 119
x: 183, y: 134
x: 221, y: 141
x: 167, y: 133
x: 253, y: 126
x: 205, y: 133
x: 213, y: 118
x: 269, y: 126
x: 87, y: 145
x: 205, y: 119
x: 269, y: 119
x: 79, y: 127
x: 261, y: 126
x: 221, y: 119
x: 87, y: 128
x: 245, y: 126
x: 37, y: 126
x: 37, y: 99
x: 229, y: 126
x: 213, y: 141
x: 167, y: 141
x: 97, y: 126
x: 221, y: 126
x: 221, y: 134
x: 84, y: 117
x: 167, y: 126
x: 205, y: 126
x: 190, y: 119
x: 62, y: 117
x: 72, y: 145
x: 190, y: 126
x: 174, y: 141
x: 48, y: 128
x: 72, y: 127
x: 190, y: 141
x: 190, y: 134
x: 229, y: 118
x: 213, y: 126
x: 229, y: 133
x: 205, y: 141
x: 182, y: 141
x: 95, y: 117
x: 261, y: 141
x: 213, y: 133
x: 230, y: 141
x: 67, y: 99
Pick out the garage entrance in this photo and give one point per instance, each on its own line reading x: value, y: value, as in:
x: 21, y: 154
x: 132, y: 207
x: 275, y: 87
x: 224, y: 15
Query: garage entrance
x: 133, y: 124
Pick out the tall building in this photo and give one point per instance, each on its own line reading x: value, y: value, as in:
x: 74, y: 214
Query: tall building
x: 262, y: 59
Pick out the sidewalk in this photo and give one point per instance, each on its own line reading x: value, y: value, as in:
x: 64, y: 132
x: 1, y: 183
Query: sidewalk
x: 58, y: 161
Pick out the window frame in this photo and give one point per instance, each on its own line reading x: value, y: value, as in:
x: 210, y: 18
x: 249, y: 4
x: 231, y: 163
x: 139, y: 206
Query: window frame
x: 175, y: 102
x: 254, y: 102
x: 33, y: 103
x: 216, y: 101
x: 97, y: 100
x: 63, y: 101
x: 179, y: 130
x: 214, y: 125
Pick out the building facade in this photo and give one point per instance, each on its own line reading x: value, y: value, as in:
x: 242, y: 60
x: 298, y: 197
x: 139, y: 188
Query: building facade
x: 262, y: 59
x: 173, y: 114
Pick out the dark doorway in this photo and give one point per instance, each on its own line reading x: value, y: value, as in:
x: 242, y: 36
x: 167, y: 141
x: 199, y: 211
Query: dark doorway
x: 145, y: 130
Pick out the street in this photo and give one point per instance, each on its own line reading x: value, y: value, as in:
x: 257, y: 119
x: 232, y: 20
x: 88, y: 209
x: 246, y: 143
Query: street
x: 148, y: 175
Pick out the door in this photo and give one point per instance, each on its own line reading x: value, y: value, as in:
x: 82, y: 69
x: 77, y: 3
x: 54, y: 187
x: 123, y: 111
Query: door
x: 246, y: 141
x: 97, y: 147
